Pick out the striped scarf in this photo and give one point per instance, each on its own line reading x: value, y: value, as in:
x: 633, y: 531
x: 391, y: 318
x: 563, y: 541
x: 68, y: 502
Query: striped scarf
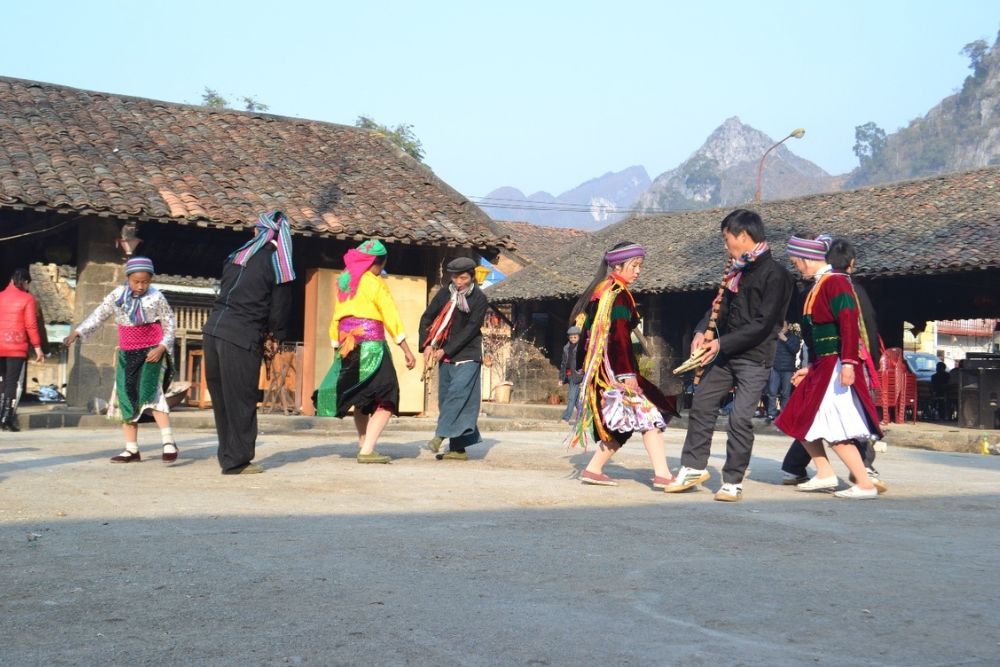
x: 132, y: 305
x: 459, y: 297
x: 732, y: 279
x: 272, y: 225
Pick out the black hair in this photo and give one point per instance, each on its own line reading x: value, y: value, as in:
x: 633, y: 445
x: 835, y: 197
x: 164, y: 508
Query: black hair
x: 21, y: 278
x: 743, y: 220
x: 841, y: 254
x: 601, y: 274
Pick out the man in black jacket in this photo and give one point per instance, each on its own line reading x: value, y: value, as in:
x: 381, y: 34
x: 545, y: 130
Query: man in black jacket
x: 450, y: 336
x: 752, y: 309
x: 254, y: 300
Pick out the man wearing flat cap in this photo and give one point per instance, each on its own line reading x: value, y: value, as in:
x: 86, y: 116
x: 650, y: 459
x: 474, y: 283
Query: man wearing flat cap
x: 450, y: 337
x: 569, y: 374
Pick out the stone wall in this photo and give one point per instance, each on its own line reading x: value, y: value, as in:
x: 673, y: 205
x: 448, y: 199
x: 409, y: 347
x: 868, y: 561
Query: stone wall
x: 533, y: 374
x: 100, y: 269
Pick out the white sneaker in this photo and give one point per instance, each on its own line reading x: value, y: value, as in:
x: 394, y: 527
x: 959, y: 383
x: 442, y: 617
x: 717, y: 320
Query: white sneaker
x: 818, y: 483
x: 857, y: 493
x: 730, y: 493
x: 687, y: 478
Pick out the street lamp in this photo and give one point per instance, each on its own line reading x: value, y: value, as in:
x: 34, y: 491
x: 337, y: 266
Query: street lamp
x: 798, y: 134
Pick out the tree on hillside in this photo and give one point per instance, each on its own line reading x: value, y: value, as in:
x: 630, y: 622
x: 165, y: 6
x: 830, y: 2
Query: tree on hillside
x: 975, y: 51
x: 869, y: 143
x: 402, y: 136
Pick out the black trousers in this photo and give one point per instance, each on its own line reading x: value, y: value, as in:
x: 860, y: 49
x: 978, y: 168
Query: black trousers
x: 232, y: 373
x: 797, y: 458
x: 10, y: 369
x: 749, y: 379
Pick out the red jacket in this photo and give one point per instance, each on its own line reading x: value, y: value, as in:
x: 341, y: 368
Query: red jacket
x: 18, y: 323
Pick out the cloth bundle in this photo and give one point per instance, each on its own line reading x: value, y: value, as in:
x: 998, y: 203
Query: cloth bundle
x: 626, y: 412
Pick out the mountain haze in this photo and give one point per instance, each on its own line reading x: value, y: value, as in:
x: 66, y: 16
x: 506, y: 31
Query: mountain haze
x: 723, y: 172
x: 596, y: 203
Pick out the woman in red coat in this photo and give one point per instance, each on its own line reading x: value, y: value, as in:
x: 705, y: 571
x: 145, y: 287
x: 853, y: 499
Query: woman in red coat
x: 18, y: 328
x: 831, y: 403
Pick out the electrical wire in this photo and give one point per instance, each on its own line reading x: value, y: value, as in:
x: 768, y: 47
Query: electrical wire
x: 39, y: 231
x: 529, y: 205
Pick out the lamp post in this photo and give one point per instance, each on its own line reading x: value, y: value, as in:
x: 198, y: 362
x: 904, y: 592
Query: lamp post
x: 798, y: 133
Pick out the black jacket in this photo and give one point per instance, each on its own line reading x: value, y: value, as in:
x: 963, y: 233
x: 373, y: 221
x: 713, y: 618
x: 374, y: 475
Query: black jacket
x: 871, y: 325
x: 250, y: 303
x: 465, y: 339
x: 567, y: 372
x: 785, y: 352
x: 749, y: 320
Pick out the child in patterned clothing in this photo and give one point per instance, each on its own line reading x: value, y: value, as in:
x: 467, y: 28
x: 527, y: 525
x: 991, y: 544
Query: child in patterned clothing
x: 143, y: 368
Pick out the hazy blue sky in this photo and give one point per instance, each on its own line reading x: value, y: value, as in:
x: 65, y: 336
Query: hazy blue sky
x: 537, y: 95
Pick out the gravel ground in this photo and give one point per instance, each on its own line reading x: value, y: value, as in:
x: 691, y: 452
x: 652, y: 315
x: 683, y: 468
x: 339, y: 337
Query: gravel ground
x: 502, y: 560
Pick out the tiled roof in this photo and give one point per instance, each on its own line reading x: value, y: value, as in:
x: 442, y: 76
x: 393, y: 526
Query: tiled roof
x: 80, y: 151
x: 937, y: 225
x: 538, y: 243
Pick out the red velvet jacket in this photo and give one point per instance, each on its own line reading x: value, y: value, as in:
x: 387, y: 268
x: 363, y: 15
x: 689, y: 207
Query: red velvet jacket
x: 18, y: 323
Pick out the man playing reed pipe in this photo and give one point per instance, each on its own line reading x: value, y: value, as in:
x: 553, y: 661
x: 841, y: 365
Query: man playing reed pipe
x: 738, y: 338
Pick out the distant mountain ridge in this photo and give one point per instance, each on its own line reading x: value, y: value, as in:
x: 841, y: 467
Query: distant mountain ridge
x: 960, y: 133
x: 723, y: 172
x: 595, y: 203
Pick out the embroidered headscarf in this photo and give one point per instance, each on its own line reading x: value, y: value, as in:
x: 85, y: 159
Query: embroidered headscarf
x: 271, y: 226
x: 619, y: 255
x: 814, y: 249
x: 356, y: 262
x: 128, y: 302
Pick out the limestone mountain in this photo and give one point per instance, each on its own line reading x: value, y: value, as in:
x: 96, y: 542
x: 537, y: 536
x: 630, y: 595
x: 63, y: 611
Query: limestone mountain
x: 591, y: 205
x: 962, y: 132
x: 723, y: 172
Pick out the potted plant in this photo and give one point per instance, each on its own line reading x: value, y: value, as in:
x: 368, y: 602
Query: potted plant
x: 554, y: 396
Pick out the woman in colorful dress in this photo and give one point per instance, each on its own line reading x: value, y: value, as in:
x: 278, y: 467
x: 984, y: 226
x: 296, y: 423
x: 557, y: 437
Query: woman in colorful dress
x: 362, y: 375
x: 142, y: 366
x: 831, y: 403
x: 615, y: 399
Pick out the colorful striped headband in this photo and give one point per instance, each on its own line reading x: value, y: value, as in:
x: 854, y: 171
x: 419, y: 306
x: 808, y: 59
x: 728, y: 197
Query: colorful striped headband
x: 619, y: 255
x: 272, y: 225
x: 814, y: 249
x: 136, y: 264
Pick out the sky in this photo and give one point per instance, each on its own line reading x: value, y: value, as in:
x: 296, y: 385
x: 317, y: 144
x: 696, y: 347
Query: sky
x: 535, y: 95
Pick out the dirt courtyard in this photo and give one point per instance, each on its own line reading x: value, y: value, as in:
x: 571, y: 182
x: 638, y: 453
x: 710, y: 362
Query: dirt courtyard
x: 505, y: 559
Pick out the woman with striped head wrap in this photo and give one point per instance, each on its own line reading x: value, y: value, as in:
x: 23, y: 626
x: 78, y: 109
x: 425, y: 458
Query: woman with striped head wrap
x: 252, y: 307
x: 143, y: 366
x: 831, y: 403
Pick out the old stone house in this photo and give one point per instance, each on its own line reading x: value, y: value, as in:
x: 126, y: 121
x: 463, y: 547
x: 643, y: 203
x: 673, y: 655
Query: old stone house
x: 929, y: 250
x: 84, y: 175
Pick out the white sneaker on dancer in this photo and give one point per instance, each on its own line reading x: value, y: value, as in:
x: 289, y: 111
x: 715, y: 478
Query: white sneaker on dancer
x: 687, y: 478
x: 818, y: 483
x: 857, y: 493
